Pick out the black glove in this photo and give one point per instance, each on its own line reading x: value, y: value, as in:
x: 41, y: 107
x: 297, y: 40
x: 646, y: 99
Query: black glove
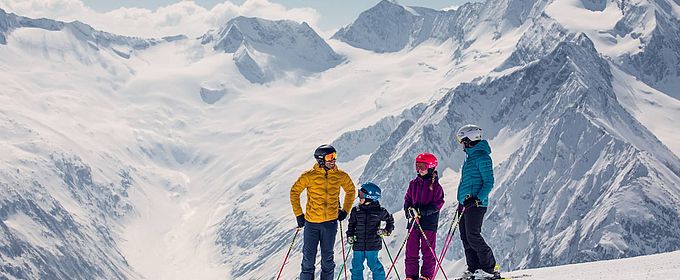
x: 412, y: 213
x: 471, y: 201
x: 341, y: 215
x: 301, y: 220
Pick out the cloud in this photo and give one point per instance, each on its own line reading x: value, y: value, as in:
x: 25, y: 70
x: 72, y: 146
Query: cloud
x: 184, y: 17
x: 451, y: 8
x: 66, y: 9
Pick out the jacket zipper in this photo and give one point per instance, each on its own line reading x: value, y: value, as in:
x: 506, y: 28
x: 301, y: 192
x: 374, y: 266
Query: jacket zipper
x: 326, y: 200
x: 366, y: 231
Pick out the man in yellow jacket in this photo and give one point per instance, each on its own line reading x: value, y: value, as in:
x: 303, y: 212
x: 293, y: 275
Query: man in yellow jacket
x: 323, y: 211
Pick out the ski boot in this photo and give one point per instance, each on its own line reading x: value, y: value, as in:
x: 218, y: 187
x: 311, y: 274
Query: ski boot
x: 480, y: 274
x: 467, y: 275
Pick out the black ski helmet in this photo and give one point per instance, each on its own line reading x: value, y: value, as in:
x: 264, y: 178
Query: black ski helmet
x: 321, y: 152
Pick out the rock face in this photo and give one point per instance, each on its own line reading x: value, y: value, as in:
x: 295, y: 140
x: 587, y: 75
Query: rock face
x: 56, y: 220
x: 657, y: 60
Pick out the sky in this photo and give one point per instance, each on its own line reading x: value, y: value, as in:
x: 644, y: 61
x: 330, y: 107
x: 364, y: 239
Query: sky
x: 157, y: 18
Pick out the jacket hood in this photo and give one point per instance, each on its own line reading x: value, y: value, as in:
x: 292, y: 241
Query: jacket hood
x: 482, y: 146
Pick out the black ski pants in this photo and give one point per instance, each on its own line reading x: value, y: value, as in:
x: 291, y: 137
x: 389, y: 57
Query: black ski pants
x: 477, y: 253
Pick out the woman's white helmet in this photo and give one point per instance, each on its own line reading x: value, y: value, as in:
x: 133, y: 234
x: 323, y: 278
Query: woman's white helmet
x: 469, y: 131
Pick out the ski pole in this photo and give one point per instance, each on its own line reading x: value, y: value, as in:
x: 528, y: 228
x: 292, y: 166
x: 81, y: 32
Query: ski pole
x: 399, y: 252
x: 342, y: 242
x: 431, y: 250
x: 449, y: 239
x: 297, y: 230
x: 344, y: 262
x: 389, y: 255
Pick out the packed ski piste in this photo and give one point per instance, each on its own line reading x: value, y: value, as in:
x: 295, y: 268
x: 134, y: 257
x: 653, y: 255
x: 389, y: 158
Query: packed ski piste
x: 365, y: 234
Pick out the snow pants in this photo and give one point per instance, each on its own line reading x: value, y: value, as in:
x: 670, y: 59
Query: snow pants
x: 374, y: 265
x: 416, y: 244
x: 477, y: 253
x: 315, y: 235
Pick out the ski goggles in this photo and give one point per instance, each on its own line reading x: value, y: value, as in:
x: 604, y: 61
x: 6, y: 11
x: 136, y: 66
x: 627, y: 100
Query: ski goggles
x: 330, y: 157
x: 421, y: 166
x: 362, y: 194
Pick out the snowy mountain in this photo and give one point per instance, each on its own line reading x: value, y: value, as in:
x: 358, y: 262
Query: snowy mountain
x: 117, y: 149
x: 121, y: 45
x: 264, y: 50
x: 639, y: 36
x: 390, y: 27
x: 572, y: 159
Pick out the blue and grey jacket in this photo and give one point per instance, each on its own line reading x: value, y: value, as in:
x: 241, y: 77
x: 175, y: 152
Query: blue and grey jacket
x: 477, y: 174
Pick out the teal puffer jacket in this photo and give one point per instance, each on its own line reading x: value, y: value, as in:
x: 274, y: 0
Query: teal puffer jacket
x: 477, y: 174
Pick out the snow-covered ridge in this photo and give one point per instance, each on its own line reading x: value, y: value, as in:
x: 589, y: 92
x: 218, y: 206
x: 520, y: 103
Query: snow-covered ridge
x: 265, y: 50
x: 641, y: 37
x: 121, y: 45
x: 391, y: 27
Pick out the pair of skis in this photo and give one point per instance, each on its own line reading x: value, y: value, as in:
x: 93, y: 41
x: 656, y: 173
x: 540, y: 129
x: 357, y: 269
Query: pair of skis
x: 501, y: 278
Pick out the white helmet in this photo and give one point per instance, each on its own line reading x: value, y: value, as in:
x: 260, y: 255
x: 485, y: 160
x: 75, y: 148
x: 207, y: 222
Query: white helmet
x: 469, y: 131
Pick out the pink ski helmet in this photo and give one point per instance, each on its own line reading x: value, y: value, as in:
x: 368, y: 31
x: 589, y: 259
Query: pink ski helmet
x: 426, y: 161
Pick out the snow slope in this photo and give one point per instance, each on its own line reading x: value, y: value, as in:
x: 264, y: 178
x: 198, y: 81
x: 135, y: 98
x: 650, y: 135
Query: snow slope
x: 659, y: 266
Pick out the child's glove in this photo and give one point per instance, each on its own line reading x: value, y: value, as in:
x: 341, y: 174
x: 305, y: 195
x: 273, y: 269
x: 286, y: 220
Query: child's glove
x: 351, y: 239
x: 383, y: 233
x: 412, y: 213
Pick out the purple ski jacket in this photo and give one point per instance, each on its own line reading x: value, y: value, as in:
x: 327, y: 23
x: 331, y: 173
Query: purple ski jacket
x: 427, y: 201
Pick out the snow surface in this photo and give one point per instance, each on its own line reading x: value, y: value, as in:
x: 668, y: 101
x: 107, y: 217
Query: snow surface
x: 596, y: 24
x: 659, y: 266
x: 656, y: 110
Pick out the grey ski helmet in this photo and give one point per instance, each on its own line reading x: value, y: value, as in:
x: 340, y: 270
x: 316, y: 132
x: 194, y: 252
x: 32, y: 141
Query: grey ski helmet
x: 470, y: 131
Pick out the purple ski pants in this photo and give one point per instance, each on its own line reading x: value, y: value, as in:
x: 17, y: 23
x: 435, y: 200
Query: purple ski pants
x: 414, y: 246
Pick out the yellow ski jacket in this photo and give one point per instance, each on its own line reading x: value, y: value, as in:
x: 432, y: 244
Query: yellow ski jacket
x: 323, y: 193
